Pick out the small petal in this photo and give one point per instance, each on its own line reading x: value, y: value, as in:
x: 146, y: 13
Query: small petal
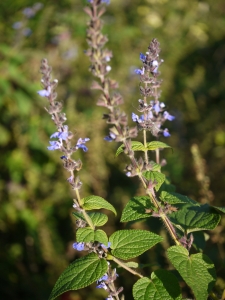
x: 54, y: 145
x: 102, y: 285
x: 44, y: 93
x: 78, y: 246
x: 81, y: 144
x: 139, y: 71
x: 166, y: 132
x: 142, y: 57
x: 167, y: 116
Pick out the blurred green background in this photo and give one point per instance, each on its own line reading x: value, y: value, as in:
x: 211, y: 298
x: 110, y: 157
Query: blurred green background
x: 36, y: 226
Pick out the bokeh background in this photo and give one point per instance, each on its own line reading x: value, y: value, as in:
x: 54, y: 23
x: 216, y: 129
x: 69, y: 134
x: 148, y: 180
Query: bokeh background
x: 36, y: 226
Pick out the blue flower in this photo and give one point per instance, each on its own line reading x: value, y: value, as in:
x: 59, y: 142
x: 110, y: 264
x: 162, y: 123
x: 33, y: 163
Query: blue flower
x: 156, y: 107
x: 103, y: 278
x: 167, y: 116
x: 142, y: 57
x: 54, y: 145
x: 109, y: 298
x: 111, y: 137
x: 81, y: 144
x: 61, y: 135
x: 139, y: 71
x: 102, y: 285
x: 166, y: 132
x: 106, y: 247
x: 78, y: 246
x: 44, y: 93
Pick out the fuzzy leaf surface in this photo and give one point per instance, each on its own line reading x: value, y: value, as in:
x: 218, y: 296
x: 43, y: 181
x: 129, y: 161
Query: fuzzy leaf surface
x: 81, y: 273
x: 163, y: 285
x: 195, y: 218
x: 89, y: 235
x: 136, y: 209
x: 157, y: 145
x: 96, y: 202
x: 135, y: 146
x: 98, y: 218
x: 155, y: 176
x: 126, y: 244
x: 197, y: 270
x: 175, y: 198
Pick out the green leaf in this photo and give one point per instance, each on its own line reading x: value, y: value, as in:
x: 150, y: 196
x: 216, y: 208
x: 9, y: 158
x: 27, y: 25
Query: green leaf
x: 126, y: 244
x: 155, y: 176
x: 175, y: 198
x: 221, y: 209
x: 136, y: 209
x: 163, y: 285
x: 195, y: 218
x: 81, y: 273
x: 89, y: 235
x: 96, y: 202
x: 135, y: 146
x: 197, y: 270
x: 157, y: 145
x: 98, y: 219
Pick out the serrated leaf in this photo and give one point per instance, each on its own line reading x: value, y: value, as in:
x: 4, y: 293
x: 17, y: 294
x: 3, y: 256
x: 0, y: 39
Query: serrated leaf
x: 81, y: 273
x: 136, y: 209
x: 163, y: 285
x: 135, y: 146
x: 153, y: 166
x: 154, y: 177
x: 96, y: 202
x: 98, y: 219
x: 175, y: 198
x: 221, y: 209
x: 90, y: 235
x: 157, y: 145
x: 195, y: 218
x: 126, y: 244
x: 197, y: 270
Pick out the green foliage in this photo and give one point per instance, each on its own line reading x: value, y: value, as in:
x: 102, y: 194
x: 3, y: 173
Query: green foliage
x: 191, y: 218
x: 82, y: 272
x: 156, y: 177
x: 96, y: 202
x: 89, y: 235
x: 36, y: 233
x: 196, y: 269
x: 162, y: 285
x: 98, y: 219
x: 127, y: 244
x: 136, y: 209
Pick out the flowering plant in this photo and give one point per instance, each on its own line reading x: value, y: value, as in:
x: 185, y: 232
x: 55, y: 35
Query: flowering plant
x: 181, y: 216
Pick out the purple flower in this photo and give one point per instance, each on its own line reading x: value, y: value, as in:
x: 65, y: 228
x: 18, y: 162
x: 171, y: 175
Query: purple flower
x: 103, y: 278
x: 44, y: 93
x: 78, y: 246
x: 81, y: 144
x: 54, y: 145
x: 166, y: 132
x: 142, y: 57
x: 111, y: 137
x: 139, y: 71
x: 106, y: 247
x: 102, y: 285
x: 61, y: 135
x: 167, y: 116
x: 156, y: 107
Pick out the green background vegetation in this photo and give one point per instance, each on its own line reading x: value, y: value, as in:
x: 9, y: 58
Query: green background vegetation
x: 36, y: 226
